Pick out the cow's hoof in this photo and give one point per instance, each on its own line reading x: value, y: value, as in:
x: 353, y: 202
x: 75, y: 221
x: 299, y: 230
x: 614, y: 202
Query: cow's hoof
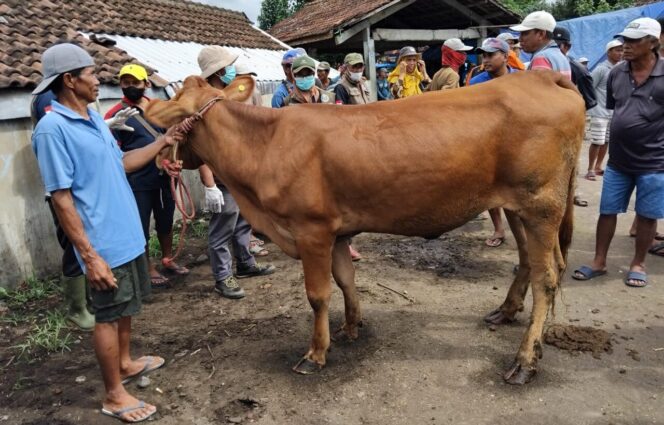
x: 519, y: 375
x: 498, y: 317
x: 345, y: 334
x: 307, y: 367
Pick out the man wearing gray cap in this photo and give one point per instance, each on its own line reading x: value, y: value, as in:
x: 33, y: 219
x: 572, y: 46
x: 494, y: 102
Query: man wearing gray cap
x: 84, y: 170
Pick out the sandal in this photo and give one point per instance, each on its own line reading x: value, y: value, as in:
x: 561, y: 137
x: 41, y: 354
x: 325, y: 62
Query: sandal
x: 636, y: 279
x: 580, y: 202
x: 150, y: 364
x: 657, y: 249
x: 586, y: 273
x: 174, y: 267
x: 120, y: 413
x: 256, y: 249
x: 159, y: 281
x: 599, y: 172
x: 494, y: 242
x: 590, y: 175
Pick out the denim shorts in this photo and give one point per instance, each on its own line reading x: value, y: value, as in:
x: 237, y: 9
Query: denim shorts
x: 617, y: 188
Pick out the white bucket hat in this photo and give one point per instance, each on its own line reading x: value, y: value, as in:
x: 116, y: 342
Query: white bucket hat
x: 213, y: 58
x: 539, y: 20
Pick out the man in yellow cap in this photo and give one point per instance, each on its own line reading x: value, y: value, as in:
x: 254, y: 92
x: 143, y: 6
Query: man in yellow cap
x: 151, y: 189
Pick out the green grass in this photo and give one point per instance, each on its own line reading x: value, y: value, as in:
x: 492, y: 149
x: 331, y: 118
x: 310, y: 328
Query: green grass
x: 31, y: 290
x: 196, y: 230
x: 31, y: 306
x: 49, y: 334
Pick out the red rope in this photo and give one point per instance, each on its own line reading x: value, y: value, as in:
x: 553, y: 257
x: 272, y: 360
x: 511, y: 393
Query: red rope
x: 176, y: 178
x: 182, y: 190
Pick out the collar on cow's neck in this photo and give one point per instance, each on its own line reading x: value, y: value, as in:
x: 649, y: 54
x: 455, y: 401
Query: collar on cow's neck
x: 188, y: 123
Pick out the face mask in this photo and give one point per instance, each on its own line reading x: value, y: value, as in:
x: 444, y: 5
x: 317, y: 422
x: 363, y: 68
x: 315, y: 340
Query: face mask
x: 355, y: 76
x: 132, y: 93
x: 229, y: 75
x: 305, y: 83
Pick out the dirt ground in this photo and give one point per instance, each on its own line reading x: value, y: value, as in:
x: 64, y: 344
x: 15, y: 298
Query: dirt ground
x: 430, y: 361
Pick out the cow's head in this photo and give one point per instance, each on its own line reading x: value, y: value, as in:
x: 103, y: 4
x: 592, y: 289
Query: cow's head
x: 193, y: 95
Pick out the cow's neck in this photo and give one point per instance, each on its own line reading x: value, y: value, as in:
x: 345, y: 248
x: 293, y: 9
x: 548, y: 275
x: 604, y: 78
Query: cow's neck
x: 233, y: 141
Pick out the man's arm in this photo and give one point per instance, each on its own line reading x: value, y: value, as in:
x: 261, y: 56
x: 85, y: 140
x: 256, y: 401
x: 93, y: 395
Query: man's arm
x: 136, y: 159
x: 98, y: 272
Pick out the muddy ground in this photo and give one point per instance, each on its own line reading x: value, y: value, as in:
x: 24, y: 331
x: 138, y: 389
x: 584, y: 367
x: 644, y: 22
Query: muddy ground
x: 430, y: 361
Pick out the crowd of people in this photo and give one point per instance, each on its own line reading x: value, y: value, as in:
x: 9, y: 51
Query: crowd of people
x: 104, y: 188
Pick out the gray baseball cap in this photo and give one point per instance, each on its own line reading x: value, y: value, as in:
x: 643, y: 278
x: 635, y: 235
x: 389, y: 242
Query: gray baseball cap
x: 59, y: 59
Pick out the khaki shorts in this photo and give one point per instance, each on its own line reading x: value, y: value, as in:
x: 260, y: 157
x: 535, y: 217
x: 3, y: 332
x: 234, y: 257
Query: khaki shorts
x: 133, y: 279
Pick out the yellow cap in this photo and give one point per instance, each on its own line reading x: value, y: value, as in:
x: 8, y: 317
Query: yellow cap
x: 135, y: 71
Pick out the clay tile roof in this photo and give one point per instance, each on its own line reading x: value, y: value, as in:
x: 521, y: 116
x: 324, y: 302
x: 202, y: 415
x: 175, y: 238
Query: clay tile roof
x: 318, y: 19
x: 28, y: 27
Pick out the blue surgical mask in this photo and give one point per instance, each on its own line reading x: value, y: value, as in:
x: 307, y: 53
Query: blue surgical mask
x: 305, y: 83
x: 229, y: 75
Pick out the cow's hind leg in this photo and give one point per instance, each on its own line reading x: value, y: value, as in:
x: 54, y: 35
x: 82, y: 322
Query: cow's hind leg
x: 506, y: 313
x: 343, y: 272
x: 542, y: 241
x: 316, y: 253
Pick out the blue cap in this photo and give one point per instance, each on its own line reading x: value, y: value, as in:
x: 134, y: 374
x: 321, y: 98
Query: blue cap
x: 290, y: 55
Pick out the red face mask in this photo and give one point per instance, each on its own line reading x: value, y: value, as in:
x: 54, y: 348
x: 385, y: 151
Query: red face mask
x: 452, y: 58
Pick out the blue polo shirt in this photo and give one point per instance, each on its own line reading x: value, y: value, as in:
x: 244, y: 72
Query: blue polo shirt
x: 484, y: 76
x: 82, y: 155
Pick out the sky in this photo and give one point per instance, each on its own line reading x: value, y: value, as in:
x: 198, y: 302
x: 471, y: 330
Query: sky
x: 251, y: 8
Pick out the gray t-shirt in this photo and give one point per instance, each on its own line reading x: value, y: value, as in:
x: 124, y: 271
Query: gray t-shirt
x: 637, y: 127
x: 600, y: 77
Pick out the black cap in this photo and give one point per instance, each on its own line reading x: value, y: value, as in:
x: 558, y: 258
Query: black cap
x: 561, y: 34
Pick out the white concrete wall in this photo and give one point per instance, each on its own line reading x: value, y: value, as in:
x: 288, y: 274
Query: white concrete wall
x: 27, y: 236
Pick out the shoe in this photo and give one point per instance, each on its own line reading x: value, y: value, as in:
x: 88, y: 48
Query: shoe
x: 229, y: 288
x: 255, y: 270
x: 76, y: 303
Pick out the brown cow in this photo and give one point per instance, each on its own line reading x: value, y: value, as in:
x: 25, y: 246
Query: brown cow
x: 418, y: 167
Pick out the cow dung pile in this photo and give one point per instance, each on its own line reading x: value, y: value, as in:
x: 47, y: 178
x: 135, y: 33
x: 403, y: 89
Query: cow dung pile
x: 579, y: 338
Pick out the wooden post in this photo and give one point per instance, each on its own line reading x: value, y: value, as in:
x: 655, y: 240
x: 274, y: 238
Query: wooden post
x: 370, y: 62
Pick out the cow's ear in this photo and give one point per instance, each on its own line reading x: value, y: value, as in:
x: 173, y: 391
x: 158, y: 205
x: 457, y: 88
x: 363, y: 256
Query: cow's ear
x: 240, y: 89
x: 167, y: 113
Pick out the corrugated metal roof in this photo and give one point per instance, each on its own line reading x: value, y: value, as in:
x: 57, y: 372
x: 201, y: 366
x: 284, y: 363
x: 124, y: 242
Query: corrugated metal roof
x: 174, y: 61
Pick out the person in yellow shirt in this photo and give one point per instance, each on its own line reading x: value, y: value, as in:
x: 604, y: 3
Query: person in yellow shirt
x: 410, y: 75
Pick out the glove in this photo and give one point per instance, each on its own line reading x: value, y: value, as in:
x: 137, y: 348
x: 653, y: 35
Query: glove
x: 214, y: 199
x: 118, y: 122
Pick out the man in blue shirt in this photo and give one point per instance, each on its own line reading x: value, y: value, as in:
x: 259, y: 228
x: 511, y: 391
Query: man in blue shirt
x: 495, y: 54
x: 286, y: 87
x: 84, y: 170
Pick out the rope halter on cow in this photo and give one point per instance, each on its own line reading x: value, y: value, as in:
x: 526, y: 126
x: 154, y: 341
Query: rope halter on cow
x: 183, y: 127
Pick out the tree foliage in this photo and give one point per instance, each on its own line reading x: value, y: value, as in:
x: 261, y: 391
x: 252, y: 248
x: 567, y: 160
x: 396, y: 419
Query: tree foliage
x: 567, y: 9
x: 273, y: 11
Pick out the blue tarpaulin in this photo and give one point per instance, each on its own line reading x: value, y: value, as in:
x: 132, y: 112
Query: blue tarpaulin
x: 591, y: 33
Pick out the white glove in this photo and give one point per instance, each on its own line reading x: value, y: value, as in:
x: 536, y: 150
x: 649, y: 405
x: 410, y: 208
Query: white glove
x: 214, y: 199
x: 118, y: 122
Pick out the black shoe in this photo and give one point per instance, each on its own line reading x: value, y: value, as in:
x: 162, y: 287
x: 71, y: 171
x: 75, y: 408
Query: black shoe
x: 229, y: 288
x: 255, y: 270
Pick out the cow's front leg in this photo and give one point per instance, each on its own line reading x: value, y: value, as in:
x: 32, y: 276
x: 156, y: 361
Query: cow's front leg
x: 316, y: 254
x: 513, y: 303
x: 544, y: 279
x: 343, y: 272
